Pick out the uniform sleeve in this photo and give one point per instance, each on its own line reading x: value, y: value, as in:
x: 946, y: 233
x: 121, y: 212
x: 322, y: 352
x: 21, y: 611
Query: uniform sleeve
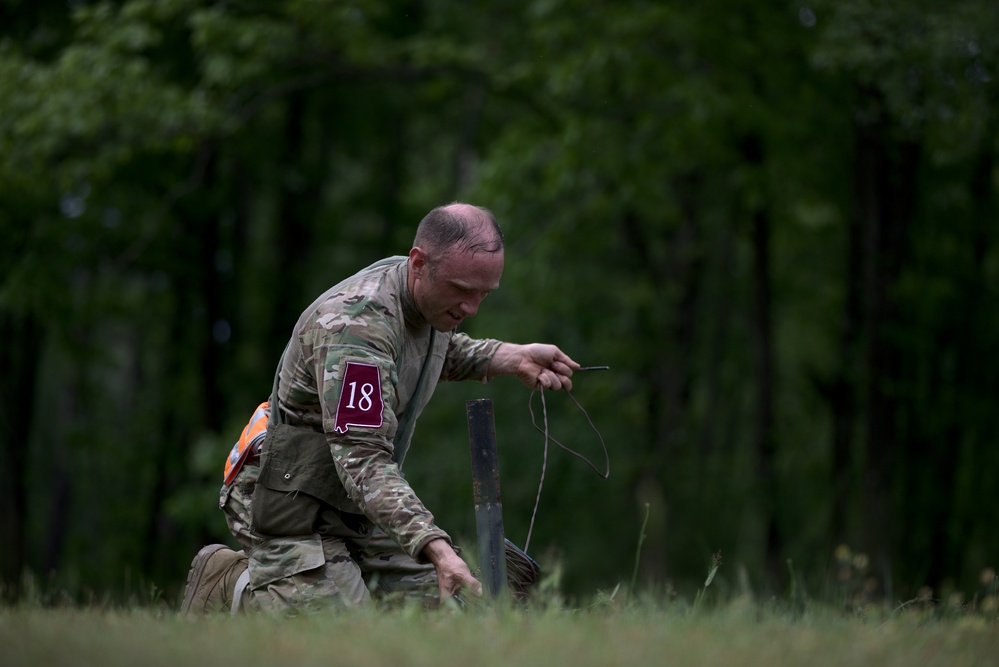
x: 358, y: 394
x: 468, y: 358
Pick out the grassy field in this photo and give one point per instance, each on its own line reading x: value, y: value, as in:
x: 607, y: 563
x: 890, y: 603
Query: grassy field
x: 739, y: 633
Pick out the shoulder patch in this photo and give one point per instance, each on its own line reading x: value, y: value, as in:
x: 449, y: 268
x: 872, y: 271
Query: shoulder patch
x: 360, y: 401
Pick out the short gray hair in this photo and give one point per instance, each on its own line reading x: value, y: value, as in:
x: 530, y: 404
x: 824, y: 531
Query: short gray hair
x: 451, y: 227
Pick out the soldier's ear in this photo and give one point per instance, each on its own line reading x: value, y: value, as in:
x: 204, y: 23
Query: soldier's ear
x: 417, y: 261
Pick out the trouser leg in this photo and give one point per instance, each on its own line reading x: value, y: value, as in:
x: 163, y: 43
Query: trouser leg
x: 393, y: 576
x: 308, y: 572
x: 304, y: 573
x: 289, y: 574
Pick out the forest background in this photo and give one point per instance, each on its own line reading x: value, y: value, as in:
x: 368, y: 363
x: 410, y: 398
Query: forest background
x: 774, y: 221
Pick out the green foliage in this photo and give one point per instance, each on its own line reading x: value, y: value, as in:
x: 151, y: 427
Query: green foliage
x: 179, y: 178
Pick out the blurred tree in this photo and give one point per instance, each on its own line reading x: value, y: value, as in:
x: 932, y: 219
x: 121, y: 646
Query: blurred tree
x: 914, y: 73
x: 774, y: 222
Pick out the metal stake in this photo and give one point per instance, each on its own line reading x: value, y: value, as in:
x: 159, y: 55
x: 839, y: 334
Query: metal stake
x: 486, y: 492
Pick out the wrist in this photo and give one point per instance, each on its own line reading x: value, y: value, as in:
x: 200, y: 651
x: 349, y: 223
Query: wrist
x: 505, y: 359
x: 438, y: 550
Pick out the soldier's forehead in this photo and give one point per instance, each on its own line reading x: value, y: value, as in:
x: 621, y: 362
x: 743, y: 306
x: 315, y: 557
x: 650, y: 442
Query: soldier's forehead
x: 472, y: 268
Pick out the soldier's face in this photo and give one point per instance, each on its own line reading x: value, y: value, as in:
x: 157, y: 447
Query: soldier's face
x: 448, y: 288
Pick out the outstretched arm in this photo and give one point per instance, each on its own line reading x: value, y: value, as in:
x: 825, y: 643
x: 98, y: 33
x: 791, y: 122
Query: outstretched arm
x: 536, y: 364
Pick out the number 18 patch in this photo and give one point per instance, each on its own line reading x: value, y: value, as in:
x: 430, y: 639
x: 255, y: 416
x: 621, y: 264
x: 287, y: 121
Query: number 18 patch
x: 360, y: 398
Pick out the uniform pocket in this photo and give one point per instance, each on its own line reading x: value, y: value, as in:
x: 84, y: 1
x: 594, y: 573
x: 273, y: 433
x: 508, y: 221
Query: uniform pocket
x: 298, y: 484
x: 283, y: 557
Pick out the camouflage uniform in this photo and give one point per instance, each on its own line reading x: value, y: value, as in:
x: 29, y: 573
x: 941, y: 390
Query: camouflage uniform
x: 369, y: 529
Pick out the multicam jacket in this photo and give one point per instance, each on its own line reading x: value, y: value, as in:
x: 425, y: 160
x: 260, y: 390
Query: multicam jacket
x: 351, y: 370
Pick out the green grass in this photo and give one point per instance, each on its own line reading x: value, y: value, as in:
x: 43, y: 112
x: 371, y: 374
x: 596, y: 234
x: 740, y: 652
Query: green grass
x: 739, y: 633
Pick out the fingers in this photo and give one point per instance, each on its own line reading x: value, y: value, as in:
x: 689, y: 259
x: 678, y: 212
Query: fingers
x: 458, y: 586
x: 547, y: 367
x: 557, y: 374
x: 554, y: 379
x: 564, y: 383
x: 467, y: 583
x: 565, y: 360
x: 563, y: 369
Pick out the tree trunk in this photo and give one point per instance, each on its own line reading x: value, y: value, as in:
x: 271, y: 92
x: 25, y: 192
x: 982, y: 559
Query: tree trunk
x: 462, y: 168
x: 19, y: 357
x: 668, y: 372
x: 965, y: 344
x: 216, y: 328
x: 764, y: 439
x: 298, y: 198
x: 198, y: 309
x: 842, y: 391
x: 886, y: 183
